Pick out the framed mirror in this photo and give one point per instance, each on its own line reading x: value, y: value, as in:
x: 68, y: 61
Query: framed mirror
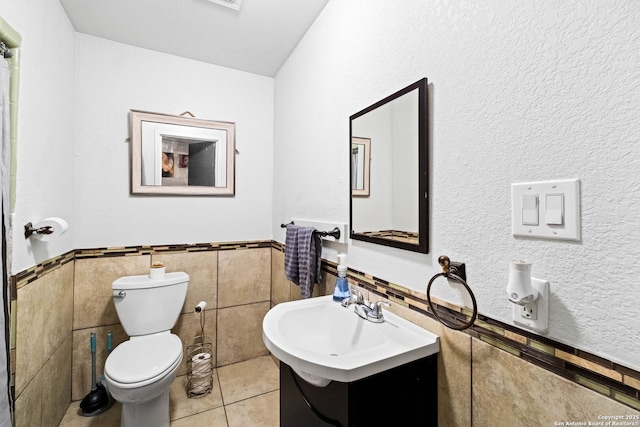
x: 176, y: 155
x: 389, y: 170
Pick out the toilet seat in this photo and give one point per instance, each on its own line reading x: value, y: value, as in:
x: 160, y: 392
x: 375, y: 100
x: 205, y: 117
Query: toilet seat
x: 143, y: 360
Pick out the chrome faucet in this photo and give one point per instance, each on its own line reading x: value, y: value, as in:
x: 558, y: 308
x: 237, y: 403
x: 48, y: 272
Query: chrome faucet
x: 368, y: 311
x: 372, y: 311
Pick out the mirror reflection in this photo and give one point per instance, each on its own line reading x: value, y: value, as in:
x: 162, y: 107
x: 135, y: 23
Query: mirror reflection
x: 181, y: 155
x: 360, y: 164
x: 389, y: 170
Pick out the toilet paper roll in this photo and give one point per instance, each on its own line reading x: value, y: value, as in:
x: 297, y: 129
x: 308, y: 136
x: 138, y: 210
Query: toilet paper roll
x: 157, y: 270
x: 201, y: 357
x: 200, y: 375
x: 201, y: 368
x: 58, y: 225
x: 201, y: 305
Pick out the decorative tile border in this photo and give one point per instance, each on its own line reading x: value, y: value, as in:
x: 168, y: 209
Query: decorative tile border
x: 594, y: 372
x: 163, y: 249
x: 27, y: 276
x: 278, y: 246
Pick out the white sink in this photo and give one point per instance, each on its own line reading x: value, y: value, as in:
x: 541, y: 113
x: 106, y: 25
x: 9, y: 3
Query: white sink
x: 323, y: 341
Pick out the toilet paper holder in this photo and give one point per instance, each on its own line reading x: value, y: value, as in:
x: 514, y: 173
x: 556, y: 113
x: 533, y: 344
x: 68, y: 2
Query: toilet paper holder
x: 200, y: 361
x: 47, y: 229
x: 29, y: 230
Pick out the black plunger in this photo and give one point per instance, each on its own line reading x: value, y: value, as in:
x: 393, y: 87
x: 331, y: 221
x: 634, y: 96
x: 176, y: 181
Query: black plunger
x: 97, y: 401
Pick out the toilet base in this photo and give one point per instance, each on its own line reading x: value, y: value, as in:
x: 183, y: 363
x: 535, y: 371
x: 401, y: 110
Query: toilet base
x: 154, y: 413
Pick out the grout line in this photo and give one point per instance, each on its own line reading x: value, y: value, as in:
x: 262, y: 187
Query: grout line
x: 226, y: 416
x: 251, y: 397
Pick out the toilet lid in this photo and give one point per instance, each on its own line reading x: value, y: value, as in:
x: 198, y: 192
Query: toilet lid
x: 143, y: 358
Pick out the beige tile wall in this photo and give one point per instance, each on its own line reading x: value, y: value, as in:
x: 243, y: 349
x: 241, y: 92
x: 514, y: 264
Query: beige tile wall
x: 43, y: 348
x: 93, y: 305
x: 234, y: 283
x: 280, y: 286
x: 202, y: 268
x: 244, y: 285
x: 244, y: 277
x: 510, y: 391
x: 283, y: 290
x: 57, y: 312
x: 240, y: 332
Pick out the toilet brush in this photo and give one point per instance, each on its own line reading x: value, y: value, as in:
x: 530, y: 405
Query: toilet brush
x: 97, y: 401
x: 103, y: 380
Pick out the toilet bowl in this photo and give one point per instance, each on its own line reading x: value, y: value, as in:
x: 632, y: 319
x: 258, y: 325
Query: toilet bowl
x: 140, y: 371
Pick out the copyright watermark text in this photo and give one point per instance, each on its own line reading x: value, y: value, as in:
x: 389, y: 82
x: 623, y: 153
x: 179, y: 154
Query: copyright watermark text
x: 604, y: 421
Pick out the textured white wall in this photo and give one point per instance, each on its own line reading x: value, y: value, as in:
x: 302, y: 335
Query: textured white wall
x: 519, y: 91
x: 111, y: 79
x: 44, y: 180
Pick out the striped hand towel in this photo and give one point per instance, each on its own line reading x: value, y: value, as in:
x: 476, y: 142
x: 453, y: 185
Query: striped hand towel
x: 302, y: 257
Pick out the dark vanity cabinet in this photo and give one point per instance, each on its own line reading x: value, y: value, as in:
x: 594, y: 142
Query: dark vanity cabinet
x: 403, y: 396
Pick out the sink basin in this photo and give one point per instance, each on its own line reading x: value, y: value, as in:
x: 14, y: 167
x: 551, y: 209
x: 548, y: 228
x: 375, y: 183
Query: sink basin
x: 323, y: 341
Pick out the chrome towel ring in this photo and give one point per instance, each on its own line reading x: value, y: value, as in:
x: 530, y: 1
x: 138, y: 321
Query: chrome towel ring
x: 451, y: 272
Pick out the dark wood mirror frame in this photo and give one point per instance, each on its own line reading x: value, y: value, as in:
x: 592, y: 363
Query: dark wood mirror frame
x: 422, y: 244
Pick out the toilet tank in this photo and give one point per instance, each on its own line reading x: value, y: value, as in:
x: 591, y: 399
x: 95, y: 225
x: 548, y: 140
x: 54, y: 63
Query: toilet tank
x: 146, y: 306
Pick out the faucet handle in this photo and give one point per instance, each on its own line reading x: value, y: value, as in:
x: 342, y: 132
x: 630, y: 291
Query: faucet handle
x: 357, y: 295
x: 376, y: 307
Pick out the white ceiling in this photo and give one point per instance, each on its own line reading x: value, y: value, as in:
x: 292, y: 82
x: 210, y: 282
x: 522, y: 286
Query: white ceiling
x: 257, y: 39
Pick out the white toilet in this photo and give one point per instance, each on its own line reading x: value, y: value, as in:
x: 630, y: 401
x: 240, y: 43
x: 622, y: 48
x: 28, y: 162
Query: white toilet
x: 139, y: 371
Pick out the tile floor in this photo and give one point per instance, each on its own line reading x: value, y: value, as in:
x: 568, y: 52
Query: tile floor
x: 244, y: 394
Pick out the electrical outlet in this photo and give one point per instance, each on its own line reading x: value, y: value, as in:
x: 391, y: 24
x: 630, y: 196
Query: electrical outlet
x: 530, y: 311
x: 534, y: 316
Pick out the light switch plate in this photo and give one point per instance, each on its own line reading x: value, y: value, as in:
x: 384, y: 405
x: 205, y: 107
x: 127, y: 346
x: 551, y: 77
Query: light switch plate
x: 570, y: 227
